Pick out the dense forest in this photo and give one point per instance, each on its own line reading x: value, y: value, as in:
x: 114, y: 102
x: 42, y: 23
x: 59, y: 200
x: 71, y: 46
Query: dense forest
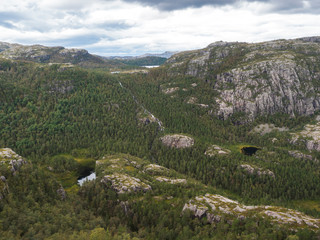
x: 62, y: 119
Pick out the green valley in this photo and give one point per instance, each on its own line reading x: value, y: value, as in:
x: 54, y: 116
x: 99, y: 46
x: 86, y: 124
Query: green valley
x: 218, y: 143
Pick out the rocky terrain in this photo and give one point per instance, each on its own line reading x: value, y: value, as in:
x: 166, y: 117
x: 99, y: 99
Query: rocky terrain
x: 300, y: 155
x: 177, y: 141
x: 216, y: 150
x: 255, y: 79
x: 171, y: 181
x: 124, y: 183
x: 127, y: 174
x: 263, y: 129
x: 215, y: 207
x: 309, y: 136
x: 43, y: 54
x: 12, y: 160
x: 256, y: 170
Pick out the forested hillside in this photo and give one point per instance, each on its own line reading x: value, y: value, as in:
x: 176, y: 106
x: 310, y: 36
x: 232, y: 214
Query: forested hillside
x: 161, y: 154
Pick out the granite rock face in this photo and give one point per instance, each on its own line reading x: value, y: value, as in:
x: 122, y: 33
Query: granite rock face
x: 256, y: 79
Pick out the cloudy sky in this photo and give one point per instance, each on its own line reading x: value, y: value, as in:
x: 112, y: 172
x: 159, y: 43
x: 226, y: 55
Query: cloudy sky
x: 134, y: 27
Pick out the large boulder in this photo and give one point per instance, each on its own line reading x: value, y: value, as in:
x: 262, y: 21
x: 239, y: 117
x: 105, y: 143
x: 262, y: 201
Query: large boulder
x: 177, y: 141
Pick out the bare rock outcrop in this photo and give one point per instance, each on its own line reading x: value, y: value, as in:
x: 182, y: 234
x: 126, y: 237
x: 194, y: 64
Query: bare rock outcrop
x: 12, y: 159
x: 263, y: 129
x: 257, y: 78
x: 171, y: 180
x: 10, y: 162
x: 309, y: 136
x: 123, y: 183
x: 155, y: 169
x: 299, y: 155
x: 214, y: 150
x: 170, y: 90
x: 256, y: 170
x: 215, y: 206
x: 177, y: 141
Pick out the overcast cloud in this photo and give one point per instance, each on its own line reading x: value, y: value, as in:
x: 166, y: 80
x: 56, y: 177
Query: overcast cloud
x: 123, y: 27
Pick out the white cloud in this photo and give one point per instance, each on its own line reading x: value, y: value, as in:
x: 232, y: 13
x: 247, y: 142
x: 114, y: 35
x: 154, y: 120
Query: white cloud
x: 114, y: 27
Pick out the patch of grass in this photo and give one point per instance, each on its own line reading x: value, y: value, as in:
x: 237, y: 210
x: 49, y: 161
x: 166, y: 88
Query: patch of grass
x: 67, y: 179
x: 86, y: 162
x: 130, y: 168
x: 73, y: 189
x: 312, y: 205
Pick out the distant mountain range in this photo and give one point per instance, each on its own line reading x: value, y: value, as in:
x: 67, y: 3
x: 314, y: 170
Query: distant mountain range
x: 81, y: 57
x: 166, y: 54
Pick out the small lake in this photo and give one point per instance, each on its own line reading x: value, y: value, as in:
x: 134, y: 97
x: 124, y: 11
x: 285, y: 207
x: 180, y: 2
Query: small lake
x: 90, y: 177
x: 153, y: 66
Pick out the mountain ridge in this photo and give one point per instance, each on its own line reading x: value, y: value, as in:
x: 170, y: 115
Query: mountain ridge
x: 58, y: 54
x: 257, y: 78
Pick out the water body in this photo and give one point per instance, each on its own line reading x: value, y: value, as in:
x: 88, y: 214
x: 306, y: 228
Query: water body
x: 153, y: 66
x: 90, y: 177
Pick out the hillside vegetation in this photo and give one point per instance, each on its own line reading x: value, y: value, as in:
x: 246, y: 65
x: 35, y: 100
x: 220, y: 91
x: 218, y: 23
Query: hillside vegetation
x: 168, y: 164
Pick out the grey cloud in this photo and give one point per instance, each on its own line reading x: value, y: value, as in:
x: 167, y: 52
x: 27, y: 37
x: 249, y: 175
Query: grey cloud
x: 11, y: 16
x: 295, y: 6
x: 76, y: 41
x: 7, y: 17
x: 277, y: 5
x: 169, y: 5
x: 114, y: 25
x: 7, y: 25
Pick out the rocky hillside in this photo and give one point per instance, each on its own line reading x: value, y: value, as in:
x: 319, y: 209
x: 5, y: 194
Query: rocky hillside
x: 43, y: 54
x: 125, y: 174
x: 258, y: 78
